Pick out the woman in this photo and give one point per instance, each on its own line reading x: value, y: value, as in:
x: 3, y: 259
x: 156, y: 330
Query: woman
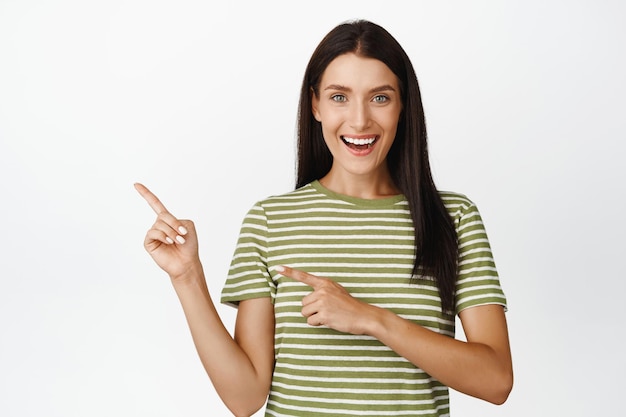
x: 347, y: 287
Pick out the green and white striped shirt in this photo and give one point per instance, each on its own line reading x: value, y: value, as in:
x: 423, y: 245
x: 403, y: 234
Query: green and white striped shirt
x: 368, y: 247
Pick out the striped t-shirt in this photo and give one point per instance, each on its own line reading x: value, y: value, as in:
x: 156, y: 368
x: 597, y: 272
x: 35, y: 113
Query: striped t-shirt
x: 368, y: 247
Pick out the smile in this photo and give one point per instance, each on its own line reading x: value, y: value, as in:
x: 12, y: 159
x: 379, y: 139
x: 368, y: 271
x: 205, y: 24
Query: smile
x: 358, y: 143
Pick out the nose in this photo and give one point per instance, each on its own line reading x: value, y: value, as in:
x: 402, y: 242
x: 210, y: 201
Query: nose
x: 359, y: 116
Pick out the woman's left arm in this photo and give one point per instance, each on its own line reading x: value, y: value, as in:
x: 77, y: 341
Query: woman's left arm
x: 480, y: 367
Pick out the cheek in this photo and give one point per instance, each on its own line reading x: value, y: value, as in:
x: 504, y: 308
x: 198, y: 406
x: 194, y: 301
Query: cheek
x: 330, y: 126
x: 392, y: 127
x: 329, y: 138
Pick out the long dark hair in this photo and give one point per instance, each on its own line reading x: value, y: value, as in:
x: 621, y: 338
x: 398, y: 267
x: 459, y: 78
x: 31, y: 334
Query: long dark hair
x: 435, y: 236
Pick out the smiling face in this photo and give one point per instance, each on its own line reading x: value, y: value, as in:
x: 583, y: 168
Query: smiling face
x: 358, y: 106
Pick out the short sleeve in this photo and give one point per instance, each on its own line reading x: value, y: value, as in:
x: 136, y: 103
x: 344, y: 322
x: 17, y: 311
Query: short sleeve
x: 478, y: 282
x: 248, y: 276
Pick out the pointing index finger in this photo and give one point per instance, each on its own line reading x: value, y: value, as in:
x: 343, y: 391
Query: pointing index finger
x: 301, y: 276
x: 152, y: 199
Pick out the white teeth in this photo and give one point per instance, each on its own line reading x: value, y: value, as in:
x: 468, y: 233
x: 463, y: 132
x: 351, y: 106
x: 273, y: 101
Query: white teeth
x: 355, y: 141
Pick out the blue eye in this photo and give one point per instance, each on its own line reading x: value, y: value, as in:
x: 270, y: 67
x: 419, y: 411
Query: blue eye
x: 381, y: 99
x: 339, y: 98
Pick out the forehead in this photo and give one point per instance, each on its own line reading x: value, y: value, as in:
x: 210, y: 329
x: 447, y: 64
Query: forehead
x: 354, y: 71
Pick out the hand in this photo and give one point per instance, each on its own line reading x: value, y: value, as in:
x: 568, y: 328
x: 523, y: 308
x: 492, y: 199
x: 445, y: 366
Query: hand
x: 172, y: 243
x: 330, y: 304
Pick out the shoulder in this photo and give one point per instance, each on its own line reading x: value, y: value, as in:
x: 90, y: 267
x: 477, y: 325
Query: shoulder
x: 294, y: 198
x: 263, y: 213
x: 455, y: 201
x: 301, y: 194
x: 460, y: 207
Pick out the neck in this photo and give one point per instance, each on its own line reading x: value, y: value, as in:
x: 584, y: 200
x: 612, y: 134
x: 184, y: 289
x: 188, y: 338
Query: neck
x: 368, y: 187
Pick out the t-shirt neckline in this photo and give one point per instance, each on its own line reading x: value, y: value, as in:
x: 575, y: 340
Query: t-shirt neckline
x: 377, y: 202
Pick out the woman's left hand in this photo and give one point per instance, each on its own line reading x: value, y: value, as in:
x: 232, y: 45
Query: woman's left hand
x: 330, y: 304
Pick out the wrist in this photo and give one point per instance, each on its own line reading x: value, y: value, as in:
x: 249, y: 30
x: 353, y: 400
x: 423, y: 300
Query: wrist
x: 377, y: 324
x: 372, y: 322
x: 191, y: 274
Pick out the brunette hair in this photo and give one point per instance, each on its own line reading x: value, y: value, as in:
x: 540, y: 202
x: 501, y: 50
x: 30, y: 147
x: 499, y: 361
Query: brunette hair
x: 435, y: 236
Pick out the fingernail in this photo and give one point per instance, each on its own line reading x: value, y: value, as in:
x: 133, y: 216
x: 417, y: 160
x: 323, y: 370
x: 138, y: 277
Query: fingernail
x: 280, y: 268
x: 180, y: 239
x: 182, y: 230
x: 169, y: 240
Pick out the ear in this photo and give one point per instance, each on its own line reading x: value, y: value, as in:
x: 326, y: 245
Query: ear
x: 315, y: 101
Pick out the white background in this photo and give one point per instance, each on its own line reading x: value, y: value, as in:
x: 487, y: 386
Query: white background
x: 525, y: 104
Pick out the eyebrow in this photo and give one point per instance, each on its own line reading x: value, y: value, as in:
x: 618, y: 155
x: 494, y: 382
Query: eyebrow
x: 339, y: 87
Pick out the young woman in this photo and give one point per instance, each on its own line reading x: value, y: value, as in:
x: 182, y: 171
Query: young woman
x: 347, y: 287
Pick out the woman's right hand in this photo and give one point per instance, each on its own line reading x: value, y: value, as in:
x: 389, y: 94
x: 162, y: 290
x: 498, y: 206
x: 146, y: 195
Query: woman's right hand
x: 171, y: 242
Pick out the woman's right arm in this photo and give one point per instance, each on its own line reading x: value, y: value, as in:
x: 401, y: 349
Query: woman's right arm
x: 240, y: 368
